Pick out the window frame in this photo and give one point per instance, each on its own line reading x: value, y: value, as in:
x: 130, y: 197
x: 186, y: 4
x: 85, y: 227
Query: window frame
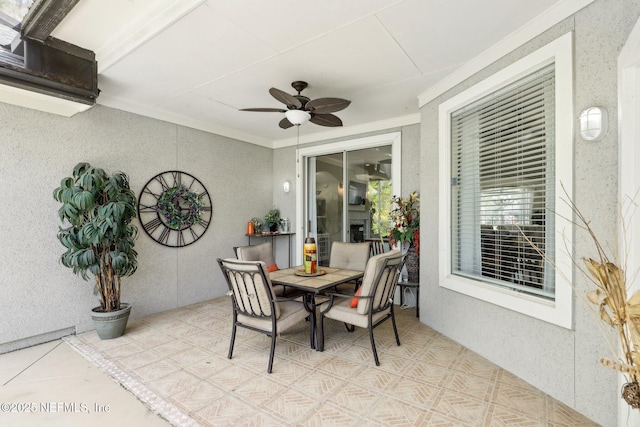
x: 559, y: 311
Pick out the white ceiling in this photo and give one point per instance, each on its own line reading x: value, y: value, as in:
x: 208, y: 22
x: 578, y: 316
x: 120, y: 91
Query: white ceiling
x: 198, y: 62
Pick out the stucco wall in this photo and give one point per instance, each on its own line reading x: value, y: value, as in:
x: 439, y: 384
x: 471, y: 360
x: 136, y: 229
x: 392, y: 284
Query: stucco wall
x: 560, y: 362
x: 39, y: 295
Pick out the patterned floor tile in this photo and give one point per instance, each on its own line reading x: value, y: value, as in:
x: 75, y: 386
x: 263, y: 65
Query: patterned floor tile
x: 138, y: 360
x: 232, y: 377
x: 394, y: 412
x: 429, y: 380
x: 342, y: 367
x: 332, y: 416
x: 529, y: 402
x: 155, y: 370
x: 225, y: 411
x: 175, y: 382
x: 435, y: 356
x: 472, y: 363
x: 470, y: 385
x: 462, y: 408
x: 416, y: 392
x: 319, y: 386
x: 355, y: 399
x: 290, y: 406
x: 375, y: 379
x: 258, y: 419
x: 124, y: 350
x: 506, y: 417
x: 561, y: 415
x: 207, y: 367
x: 149, y: 337
x: 189, y: 357
x: 197, y: 397
x: 258, y: 390
x: 428, y: 373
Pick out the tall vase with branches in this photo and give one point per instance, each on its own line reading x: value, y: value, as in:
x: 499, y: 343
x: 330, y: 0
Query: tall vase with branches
x: 615, y: 308
x: 405, y: 217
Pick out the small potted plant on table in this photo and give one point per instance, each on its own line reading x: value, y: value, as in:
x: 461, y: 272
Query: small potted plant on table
x: 272, y: 219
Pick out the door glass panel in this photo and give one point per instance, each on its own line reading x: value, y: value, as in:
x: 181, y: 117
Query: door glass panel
x: 349, y: 204
x: 328, y: 203
x: 369, y: 196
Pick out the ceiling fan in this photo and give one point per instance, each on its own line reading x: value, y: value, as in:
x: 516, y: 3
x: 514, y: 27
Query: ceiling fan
x: 301, y: 109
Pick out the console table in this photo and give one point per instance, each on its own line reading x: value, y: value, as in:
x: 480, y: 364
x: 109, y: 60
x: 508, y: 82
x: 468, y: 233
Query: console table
x: 273, y: 236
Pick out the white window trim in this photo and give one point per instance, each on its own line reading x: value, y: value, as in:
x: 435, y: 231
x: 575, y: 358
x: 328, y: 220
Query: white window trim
x: 560, y: 311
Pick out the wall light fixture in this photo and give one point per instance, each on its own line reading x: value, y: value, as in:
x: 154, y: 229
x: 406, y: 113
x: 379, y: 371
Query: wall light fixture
x: 593, y: 123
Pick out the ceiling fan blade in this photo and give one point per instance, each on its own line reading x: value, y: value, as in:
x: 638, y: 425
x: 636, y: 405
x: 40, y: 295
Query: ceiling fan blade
x: 326, y: 120
x: 289, y: 100
x: 327, y: 105
x: 265, y: 110
x: 285, y: 123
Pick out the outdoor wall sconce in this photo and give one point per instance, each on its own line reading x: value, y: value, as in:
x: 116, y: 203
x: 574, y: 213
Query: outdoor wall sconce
x: 286, y: 186
x: 593, y: 123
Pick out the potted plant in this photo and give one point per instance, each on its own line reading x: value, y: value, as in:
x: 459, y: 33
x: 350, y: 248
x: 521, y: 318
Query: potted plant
x: 99, y: 238
x: 272, y: 219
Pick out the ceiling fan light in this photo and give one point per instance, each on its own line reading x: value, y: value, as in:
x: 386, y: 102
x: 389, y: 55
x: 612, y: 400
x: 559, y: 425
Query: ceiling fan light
x: 297, y: 117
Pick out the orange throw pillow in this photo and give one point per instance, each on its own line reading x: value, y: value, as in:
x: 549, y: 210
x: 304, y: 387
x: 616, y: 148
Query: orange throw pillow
x: 273, y: 267
x: 354, y: 301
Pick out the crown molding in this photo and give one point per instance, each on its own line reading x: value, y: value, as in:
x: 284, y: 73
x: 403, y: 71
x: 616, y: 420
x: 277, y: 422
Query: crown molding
x: 181, y: 120
x: 340, y: 132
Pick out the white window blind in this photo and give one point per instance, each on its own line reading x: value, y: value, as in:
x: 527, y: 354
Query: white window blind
x: 503, y: 186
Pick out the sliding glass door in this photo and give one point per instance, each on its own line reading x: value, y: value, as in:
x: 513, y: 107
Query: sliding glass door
x: 347, y: 193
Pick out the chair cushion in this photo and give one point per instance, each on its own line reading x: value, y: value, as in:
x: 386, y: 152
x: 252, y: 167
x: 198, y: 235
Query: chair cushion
x: 350, y: 256
x: 373, y: 266
x: 291, y: 312
x: 262, y: 252
x: 354, y: 301
x: 273, y: 267
x: 342, y: 312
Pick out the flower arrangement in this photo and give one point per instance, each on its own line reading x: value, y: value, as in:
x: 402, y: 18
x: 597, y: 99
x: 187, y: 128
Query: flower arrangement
x: 257, y: 224
x: 405, y: 217
x: 180, y: 207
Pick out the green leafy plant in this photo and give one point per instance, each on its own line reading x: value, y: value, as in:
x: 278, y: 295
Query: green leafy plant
x: 100, y: 238
x: 272, y: 218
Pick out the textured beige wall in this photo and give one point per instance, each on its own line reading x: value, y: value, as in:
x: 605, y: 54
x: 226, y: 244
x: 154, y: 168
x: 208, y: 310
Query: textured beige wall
x: 40, y: 296
x: 561, y: 362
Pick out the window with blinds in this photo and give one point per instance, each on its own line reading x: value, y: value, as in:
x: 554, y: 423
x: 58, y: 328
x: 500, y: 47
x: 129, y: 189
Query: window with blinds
x: 503, y: 184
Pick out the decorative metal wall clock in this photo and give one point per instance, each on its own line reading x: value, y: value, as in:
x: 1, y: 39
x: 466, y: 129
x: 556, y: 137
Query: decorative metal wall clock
x: 174, y: 208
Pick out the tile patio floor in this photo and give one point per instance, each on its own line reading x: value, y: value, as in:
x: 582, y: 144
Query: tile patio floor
x: 175, y: 362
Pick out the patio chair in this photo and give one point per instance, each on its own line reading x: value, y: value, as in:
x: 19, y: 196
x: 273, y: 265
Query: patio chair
x: 262, y: 252
x: 376, y: 246
x: 373, y: 306
x: 254, y: 303
x: 350, y: 256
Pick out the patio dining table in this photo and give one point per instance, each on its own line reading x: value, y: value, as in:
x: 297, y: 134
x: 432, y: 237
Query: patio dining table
x: 311, y: 286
